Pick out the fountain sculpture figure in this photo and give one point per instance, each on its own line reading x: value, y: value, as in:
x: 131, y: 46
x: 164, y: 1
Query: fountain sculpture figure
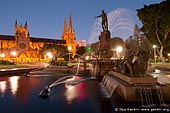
x: 136, y: 57
x: 135, y: 64
x: 127, y: 76
x: 104, y: 36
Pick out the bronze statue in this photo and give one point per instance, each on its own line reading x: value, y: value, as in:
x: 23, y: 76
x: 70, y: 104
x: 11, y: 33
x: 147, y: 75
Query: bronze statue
x: 138, y: 66
x: 141, y: 63
x: 129, y: 55
x: 104, y: 20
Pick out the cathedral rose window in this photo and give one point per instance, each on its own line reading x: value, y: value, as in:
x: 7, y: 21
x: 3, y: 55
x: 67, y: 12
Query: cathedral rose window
x: 22, y: 45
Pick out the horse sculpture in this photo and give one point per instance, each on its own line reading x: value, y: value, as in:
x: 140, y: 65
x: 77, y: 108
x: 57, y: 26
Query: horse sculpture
x: 136, y: 65
x: 139, y: 66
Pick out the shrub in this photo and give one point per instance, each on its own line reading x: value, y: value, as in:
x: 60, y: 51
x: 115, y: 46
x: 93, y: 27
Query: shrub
x: 5, y: 62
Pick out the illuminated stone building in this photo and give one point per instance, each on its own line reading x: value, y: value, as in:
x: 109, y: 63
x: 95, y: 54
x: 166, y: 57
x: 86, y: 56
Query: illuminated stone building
x: 22, y: 48
x: 69, y: 36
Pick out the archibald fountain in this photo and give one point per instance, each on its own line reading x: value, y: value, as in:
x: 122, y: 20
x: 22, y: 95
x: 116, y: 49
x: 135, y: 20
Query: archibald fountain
x: 127, y: 77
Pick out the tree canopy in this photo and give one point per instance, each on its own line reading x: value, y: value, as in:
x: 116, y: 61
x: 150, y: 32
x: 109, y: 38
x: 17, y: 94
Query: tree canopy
x: 57, y: 50
x: 156, y: 24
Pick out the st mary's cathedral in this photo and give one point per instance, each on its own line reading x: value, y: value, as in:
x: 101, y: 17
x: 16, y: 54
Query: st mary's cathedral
x: 22, y: 48
x: 69, y: 36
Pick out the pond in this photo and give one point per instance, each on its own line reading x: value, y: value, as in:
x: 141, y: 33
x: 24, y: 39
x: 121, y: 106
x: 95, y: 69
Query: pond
x: 19, y: 94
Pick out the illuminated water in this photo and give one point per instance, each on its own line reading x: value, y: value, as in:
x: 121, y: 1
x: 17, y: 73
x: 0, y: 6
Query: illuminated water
x: 19, y: 94
x: 120, y: 24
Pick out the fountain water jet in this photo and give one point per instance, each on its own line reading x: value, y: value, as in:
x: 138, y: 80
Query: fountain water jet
x: 70, y: 80
x: 108, y: 86
x: 78, y: 65
x: 160, y: 96
x: 150, y: 95
x: 119, y: 21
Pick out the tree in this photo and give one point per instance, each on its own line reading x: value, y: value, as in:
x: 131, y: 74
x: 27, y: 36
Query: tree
x: 139, y: 40
x: 56, y: 50
x: 80, y: 50
x: 156, y: 24
x: 95, y: 50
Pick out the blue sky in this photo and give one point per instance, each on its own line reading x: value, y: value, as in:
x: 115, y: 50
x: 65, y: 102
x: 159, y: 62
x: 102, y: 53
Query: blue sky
x: 46, y: 17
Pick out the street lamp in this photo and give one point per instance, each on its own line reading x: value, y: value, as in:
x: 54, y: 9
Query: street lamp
x: 87, y: 58
x: 169, y: 56
x: 2, y: 55
x: 154, y: 47
x: 119, y: 49
x: 49, y: 54
x: 69, y: 49
x: 14, y: 53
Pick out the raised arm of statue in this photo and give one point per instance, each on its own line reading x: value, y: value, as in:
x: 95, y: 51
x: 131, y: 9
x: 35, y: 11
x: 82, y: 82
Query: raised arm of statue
x: 98, y: 16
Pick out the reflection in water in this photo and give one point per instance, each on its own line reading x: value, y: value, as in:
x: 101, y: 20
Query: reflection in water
x: 77, y: 92
x: 14, y: 84
x: 2, y: 88
x: 168, y: 76
x: 163, y: 76
x: 71, y: 91
x: 155, y: 74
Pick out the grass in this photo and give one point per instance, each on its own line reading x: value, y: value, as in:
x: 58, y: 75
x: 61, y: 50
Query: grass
x: 70, y: 64
x: 13, y: 66
x: 160, y: 64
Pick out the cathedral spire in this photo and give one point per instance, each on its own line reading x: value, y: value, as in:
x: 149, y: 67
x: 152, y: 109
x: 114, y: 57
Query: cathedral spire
x: 64, y: 30
x: 70, y: 27
x: 16, y: 23
x: 65, y: 26
x: 28, y: 34
x: 26, y: 25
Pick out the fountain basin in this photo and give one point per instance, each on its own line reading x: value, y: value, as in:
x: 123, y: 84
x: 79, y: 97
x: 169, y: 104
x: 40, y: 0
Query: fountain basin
x: 146, y: 80
x: 129, y: 88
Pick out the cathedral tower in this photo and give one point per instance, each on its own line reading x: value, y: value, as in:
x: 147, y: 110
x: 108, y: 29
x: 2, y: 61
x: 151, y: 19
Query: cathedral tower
x: 69, y: 36
x: 21, y: 30
x: 21, y: 36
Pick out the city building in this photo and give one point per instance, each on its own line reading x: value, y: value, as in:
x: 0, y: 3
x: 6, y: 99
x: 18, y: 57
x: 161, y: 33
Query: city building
x: 81, y: 43
x: 21, y: 48
x: 69, y: 36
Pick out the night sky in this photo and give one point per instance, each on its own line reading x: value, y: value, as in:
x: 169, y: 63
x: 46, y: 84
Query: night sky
x: 46, y: 17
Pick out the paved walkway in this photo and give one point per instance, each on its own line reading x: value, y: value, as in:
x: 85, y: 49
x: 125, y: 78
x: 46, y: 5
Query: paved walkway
x: 17, y: 70
x: 162, y: 73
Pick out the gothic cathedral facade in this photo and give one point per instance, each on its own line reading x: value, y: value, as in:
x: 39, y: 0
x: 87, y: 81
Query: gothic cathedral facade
x: 69, y: 36
x: 21, y: 48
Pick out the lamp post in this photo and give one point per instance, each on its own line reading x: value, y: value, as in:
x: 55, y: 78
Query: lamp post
x: 154, y: 48
x: 169, y: 56
x: 69, y: 49
x: 119, y: 49
x: 49, y: 54
x: 2, y: 55
x: 86, y: 59
x: 14, y: 53
x: 44, y: 59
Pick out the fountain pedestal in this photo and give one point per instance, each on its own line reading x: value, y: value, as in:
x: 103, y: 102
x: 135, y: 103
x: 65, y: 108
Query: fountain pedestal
x: 104, y: 49
x: 103, y: 65
x: 129, y: 88
x: 104, y: 40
